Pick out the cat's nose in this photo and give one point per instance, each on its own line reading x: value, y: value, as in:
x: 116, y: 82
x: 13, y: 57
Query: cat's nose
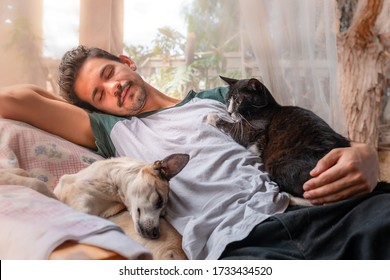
x: 230, y: 107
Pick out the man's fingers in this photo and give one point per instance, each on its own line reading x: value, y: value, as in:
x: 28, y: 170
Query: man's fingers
x: 340, y: 194
x: 336, y: 187
x: 325, y: 178
x: 326, y: 162
x: 322, y: 188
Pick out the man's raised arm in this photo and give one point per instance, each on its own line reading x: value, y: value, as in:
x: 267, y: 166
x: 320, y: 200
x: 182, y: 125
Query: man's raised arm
x: 36, y: 106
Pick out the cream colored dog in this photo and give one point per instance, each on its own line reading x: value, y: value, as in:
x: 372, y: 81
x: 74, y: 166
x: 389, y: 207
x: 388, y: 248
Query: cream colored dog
x: 107, y: 187
x: 168, y: 245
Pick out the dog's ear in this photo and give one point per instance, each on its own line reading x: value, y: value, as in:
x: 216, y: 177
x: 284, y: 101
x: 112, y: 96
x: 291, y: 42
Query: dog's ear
x: 172, y: 165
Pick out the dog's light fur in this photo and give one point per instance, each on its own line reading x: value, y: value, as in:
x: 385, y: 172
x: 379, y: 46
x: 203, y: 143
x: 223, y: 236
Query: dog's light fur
x: 107, y: 187
x: 167, y: 247
x: 18, y: 176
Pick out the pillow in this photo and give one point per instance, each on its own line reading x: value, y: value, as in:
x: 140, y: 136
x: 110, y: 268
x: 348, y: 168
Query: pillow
x: 44, y: 155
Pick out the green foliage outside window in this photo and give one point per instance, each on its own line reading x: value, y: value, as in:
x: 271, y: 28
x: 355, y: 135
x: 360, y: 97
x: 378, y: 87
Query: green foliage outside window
x: 214, y: 25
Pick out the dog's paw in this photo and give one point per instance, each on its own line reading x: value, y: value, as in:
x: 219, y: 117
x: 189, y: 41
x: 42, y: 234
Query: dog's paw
x: 41, y: 187
x: 12, y: 176
x: 212, y: 119
x: 6, y: 172
x: 18, y: 176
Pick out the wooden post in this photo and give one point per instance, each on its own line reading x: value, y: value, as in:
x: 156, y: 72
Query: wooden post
x: 363, y: 65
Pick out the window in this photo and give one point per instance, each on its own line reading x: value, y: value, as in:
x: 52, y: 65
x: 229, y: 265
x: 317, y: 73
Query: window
x: 60, y: 27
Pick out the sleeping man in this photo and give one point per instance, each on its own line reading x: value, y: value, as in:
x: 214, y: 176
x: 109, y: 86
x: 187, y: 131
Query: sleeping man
x: 222, y: 204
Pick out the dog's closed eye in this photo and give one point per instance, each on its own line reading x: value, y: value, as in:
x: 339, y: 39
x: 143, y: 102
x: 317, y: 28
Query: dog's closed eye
x: 160, y: 201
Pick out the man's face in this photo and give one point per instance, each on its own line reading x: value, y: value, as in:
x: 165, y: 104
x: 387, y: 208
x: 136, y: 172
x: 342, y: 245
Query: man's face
x: 111, y: 86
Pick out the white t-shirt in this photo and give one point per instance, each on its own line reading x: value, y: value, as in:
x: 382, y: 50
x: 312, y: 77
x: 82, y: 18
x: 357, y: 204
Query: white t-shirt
x: 221, y: 195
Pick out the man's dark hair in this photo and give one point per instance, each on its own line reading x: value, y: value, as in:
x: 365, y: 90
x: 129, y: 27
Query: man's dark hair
x: 69, y: 69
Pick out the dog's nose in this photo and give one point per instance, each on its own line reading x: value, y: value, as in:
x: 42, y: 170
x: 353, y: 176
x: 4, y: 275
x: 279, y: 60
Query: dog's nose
x: 155, y: 232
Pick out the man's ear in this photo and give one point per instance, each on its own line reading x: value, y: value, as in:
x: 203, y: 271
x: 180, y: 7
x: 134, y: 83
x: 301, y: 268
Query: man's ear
x: 128, y: 61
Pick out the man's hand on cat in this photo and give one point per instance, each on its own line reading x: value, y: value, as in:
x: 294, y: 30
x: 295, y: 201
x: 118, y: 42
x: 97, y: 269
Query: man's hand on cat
x: 343, y: 173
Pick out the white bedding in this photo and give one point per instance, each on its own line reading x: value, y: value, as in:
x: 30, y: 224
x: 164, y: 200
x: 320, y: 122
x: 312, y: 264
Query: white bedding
x: 32, y: 225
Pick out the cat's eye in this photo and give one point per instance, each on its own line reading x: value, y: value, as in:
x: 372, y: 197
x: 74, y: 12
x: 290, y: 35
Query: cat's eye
x: 232, y: 98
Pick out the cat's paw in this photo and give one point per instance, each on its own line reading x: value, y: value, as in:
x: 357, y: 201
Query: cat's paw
x: 212, y: 119
x: 299, y: 201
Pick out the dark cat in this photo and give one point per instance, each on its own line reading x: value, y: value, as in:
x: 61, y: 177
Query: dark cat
x: 289, y: 139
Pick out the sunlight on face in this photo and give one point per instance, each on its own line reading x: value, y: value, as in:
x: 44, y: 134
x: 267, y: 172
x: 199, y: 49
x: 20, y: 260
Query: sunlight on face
x: 110, y: 86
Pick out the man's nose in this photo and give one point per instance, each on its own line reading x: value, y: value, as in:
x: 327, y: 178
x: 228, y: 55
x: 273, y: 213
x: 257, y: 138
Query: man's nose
x: 113, y: 88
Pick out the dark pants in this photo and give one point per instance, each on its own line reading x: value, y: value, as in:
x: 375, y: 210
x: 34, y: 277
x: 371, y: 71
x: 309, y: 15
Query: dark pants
x: 357, y: 228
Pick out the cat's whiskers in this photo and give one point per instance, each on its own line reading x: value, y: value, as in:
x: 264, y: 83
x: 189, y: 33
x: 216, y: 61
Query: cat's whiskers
x: 241, y: 131
x: 236, y: 130
x: 248, y: 122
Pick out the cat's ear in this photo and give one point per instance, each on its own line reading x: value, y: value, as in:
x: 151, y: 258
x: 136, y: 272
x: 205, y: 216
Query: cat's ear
x: 229, y: 81
x: 254, y: 84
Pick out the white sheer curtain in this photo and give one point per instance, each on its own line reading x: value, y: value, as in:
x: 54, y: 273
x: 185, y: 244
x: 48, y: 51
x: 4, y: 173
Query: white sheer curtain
x: 101, y: 24
x: 23, y: 37
x: 294, y: 43
x: 20, y: 43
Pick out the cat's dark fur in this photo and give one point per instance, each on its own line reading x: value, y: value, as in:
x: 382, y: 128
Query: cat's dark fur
x: 289, y: 139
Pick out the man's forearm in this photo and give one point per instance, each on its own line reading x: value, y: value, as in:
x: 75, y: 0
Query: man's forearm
x: 14, y: 98
x: 38, y: 107
x: 18, y: 90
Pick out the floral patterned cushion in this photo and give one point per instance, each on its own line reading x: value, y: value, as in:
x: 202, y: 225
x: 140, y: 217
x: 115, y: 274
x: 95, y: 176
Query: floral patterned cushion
x: 43, y: 155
